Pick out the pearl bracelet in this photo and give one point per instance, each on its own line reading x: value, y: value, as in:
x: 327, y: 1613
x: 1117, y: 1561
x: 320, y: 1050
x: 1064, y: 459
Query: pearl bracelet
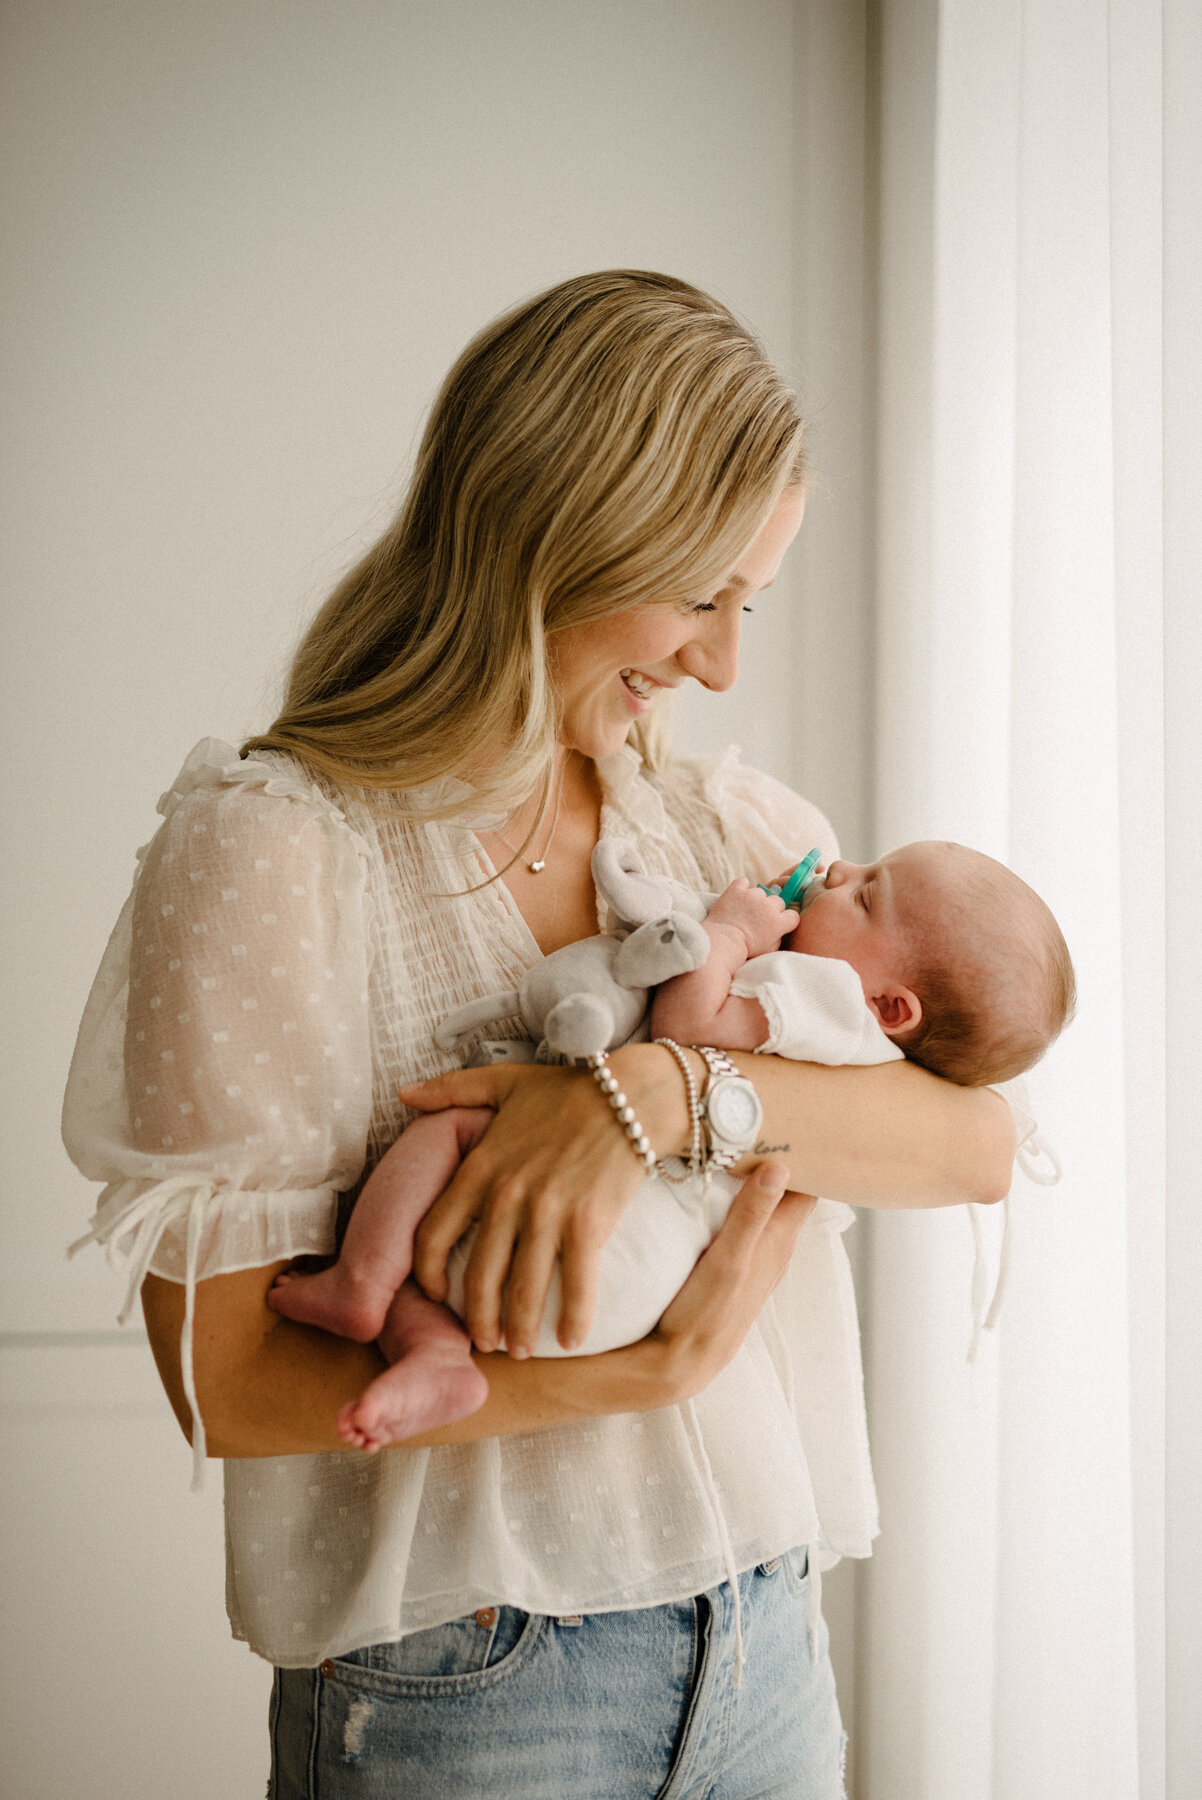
x: 696, y: 1148
x: 607, y: 1081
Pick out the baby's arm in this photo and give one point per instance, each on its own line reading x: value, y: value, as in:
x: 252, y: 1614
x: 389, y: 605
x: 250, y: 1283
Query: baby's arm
x: 699, y: 1008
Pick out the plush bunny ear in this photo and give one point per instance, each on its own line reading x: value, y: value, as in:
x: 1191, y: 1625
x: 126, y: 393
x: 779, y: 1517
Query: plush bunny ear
x: 625, y: 886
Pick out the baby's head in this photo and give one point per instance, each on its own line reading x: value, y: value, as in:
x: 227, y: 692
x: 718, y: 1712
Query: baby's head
x: 962, y: 962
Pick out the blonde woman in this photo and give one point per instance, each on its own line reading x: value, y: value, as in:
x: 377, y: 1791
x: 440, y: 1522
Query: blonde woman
x: 604, y: 1581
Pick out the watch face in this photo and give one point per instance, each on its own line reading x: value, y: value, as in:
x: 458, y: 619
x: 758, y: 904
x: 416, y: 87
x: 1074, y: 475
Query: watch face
x: 734, y: 1109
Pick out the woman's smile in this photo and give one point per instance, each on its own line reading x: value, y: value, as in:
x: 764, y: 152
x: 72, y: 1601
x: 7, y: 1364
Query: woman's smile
x: 609, y: 671
x: 640, y: 685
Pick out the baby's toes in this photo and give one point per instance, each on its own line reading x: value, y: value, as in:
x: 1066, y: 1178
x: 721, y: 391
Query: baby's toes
x: 349, y: 1427
x: 363, y: 1433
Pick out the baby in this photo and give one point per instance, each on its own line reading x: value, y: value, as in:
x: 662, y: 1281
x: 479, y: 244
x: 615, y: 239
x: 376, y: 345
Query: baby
x: 936, y: 952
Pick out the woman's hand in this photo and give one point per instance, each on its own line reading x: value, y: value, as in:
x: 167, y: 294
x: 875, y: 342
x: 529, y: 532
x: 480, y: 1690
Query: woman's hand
x: 547, y: 1183
x: 270, y: 1387
x: 700, y: 1333
x: 552, y: 1175
x: 723, y: 1297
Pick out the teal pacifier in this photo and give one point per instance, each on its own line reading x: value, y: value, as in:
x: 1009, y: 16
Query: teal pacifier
x: 799, y: 880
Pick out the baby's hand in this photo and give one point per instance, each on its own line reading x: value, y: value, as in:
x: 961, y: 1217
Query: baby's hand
x: 762, y: 919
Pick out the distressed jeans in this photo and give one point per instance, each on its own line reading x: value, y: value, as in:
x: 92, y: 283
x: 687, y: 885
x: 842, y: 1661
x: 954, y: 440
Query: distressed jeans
x: 638, y: 1705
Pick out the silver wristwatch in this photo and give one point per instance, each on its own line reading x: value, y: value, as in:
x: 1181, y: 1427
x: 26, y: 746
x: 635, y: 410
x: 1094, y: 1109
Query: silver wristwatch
x: 730, y: 1109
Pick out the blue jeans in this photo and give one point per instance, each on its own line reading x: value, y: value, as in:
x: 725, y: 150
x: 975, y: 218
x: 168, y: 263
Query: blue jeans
x: 612, y: 1706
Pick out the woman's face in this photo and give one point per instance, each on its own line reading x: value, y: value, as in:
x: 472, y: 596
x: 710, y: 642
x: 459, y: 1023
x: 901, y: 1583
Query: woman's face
x: 608, y: 672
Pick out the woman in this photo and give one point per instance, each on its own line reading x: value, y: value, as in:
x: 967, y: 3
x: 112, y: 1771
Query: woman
x: 597, y: 1583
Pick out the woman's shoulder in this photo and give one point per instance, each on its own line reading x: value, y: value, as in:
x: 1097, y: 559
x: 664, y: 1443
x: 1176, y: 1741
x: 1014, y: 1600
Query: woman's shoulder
x: 766, y: 823
x: 215, y: 770
x: 226, y: 811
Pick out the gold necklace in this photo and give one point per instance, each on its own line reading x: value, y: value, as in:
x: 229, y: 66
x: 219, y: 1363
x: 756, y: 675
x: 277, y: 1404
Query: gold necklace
x: 540, y: 862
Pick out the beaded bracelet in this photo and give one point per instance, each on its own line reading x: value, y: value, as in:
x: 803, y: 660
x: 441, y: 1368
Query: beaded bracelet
x: 696, y: 1148
x: 607, y: 1081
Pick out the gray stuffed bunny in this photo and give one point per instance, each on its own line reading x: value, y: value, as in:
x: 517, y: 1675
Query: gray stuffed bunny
x: 593, y: 995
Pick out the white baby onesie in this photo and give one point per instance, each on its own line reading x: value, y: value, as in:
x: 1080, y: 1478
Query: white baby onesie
x: 816, y: 1013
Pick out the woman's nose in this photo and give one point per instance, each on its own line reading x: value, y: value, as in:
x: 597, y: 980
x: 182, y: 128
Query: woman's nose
x: 712, y: 657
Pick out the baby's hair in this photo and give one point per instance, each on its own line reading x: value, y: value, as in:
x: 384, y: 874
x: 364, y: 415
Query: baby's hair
x: 993, y: 974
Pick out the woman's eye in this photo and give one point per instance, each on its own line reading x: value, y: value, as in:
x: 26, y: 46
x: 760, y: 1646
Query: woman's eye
x: 704, y: 606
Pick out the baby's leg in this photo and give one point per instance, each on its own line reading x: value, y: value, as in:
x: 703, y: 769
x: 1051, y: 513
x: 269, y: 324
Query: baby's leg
x: 432, y: 1379
x: 352, y: 1297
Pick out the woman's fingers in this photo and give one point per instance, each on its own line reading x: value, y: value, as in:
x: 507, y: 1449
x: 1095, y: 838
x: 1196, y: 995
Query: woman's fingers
x: 549, y: 1179
x: 486, y: 1271
x: 526, y: 1290
x: 461, y: 1203
x: 723, y: 1297
x: 462, y: 1087
x: 452, y: 1215
x: 751, y: 1212
x: 578, y: 1286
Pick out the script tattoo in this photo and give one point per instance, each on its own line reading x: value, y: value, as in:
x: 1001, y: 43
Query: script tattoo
x: 763, y: 1149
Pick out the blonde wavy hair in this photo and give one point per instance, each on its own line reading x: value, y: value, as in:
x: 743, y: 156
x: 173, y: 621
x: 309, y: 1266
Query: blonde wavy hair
x: 618, y: 440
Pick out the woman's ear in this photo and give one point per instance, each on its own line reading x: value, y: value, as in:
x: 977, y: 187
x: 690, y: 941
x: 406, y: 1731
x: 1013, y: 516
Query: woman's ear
x: 898, y: 1009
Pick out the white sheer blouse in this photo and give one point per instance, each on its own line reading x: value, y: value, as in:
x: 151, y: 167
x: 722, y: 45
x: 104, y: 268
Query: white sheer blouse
x: 278, y: 970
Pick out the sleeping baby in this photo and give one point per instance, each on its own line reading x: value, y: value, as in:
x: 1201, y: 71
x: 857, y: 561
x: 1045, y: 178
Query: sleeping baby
x: 936, y: 953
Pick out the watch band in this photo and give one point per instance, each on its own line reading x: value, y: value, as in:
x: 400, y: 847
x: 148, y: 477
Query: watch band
x: 725, y: 1149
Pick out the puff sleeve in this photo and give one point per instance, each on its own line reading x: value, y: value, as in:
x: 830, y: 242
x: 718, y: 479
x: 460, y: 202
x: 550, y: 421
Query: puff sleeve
x: 221, y: 1082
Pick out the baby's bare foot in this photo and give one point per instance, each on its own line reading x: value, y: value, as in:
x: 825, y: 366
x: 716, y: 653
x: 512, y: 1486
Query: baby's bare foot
x: 413, y: 1396
x: 333, y: 1299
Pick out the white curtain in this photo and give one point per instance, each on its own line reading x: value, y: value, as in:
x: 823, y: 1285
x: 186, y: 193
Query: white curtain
x: 1038, y: 561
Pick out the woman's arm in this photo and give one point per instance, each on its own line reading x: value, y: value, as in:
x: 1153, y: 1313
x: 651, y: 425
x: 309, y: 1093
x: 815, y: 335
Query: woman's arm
x: 891, y: 1135
x: 551, y: 1176
x: 269, y: 1387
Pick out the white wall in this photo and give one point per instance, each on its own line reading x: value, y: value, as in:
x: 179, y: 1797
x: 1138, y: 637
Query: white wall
x: 244, y: 242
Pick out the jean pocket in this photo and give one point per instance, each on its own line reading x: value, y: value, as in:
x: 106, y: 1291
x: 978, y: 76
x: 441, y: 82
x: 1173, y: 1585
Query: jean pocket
x: 461, y: 1656
x: 794, y: 1567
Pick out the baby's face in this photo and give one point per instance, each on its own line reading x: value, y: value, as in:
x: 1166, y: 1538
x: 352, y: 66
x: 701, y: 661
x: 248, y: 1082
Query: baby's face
x: 866, y: 913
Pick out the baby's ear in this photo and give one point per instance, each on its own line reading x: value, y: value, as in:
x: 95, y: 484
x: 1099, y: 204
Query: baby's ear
x: 898, y: 1009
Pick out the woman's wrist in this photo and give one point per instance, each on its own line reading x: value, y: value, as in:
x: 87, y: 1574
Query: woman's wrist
x: 655, y: 1087
x: 543, y: 1392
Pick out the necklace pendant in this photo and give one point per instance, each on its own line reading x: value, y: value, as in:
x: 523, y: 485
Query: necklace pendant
x: 536, y: 868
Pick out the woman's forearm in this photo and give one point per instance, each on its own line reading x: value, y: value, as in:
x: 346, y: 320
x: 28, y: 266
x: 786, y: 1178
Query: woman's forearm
x: 890, y: 1135
x: 552, y: 1175
x: 269, y: 1387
